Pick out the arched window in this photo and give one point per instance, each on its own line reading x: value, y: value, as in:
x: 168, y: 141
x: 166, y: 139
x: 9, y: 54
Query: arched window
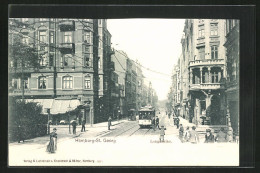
x: 67, y: 82
x: 42, y: 82
x: 87, y: 82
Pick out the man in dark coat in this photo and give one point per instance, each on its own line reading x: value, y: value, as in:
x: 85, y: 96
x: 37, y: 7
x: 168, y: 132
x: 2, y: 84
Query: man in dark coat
x: 109, y: 122
x: 177, y: 122
x: 209, y: 137
x: 153, y: 123
x: 157, y: 122
x: 20, y: 134
x: 74, y: 125
x: 83, y: 125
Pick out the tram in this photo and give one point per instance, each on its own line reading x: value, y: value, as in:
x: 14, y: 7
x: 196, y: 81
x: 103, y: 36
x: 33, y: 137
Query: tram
x: 145, y: 116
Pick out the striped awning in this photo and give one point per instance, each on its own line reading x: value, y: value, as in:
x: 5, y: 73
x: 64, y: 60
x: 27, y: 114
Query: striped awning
x: 56, y: 106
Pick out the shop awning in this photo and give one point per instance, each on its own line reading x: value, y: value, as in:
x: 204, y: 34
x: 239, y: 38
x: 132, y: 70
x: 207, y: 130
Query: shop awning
x: 56, y: 106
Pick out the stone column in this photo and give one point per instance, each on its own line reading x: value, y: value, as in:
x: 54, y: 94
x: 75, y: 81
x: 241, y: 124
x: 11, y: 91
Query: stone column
x: 209, y: 69
x: 201, y: 75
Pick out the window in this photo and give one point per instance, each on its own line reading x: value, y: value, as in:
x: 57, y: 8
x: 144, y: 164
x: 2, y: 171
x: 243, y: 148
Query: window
x: 42, y: 36
x: 42, y: 82
x: 87, y: 60
x: 25, y: 39
x: 201, y: 31
x: 67, y: 37
x: 213, y: 29
x: 15, y: 84
x: 214, y: 52
x: 86, y: 37
x: 201, y: 51
x: 26, y: 83
x: 51, y: 37
x: 214, y: 77
x: 87, y: 82
x: 67, y: 82
x: 43, y: 60
x: 66, y: 60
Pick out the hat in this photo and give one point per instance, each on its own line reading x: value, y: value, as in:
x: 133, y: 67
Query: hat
x: 208, y: 130
x: 54, y: 129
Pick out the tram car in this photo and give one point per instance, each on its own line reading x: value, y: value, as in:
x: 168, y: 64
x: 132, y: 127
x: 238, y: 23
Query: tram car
x: 145, y: 116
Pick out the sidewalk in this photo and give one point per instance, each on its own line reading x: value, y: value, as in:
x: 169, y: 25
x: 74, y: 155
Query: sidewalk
x: 63, y: 133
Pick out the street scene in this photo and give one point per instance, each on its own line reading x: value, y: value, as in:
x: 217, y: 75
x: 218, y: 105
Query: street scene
x: 104, y: 92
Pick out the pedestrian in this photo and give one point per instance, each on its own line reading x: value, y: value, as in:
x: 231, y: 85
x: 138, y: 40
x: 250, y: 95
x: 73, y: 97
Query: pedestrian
x: 162, y: 133
x: 74, y: 125
x: 153, y: 123
x: 109, y: 122
x: 177, y: 122
x: 157, y: 122
x: 20, y: 134
x: 52, y: 146
x: 209, y: 137
x: 194, y: 136
x: 187, y: 134
x: 181, y: 132
x: 221, y: 136
x: 83, y: 125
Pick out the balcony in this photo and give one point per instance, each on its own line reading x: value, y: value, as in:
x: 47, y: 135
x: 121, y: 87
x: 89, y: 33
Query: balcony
x: 206, y: 86
x: 67, y: 25
x: 67, y: 48
x: 206, y: 62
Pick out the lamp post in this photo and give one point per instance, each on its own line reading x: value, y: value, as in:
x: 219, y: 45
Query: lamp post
x: 69, y: 119
x: 48, y: 124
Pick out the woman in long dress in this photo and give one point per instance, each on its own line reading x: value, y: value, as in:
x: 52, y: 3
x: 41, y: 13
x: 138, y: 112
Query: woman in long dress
x: 52, y: 146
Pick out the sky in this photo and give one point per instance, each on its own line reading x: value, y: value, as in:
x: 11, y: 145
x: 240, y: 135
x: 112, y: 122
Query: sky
x: 155, y: 43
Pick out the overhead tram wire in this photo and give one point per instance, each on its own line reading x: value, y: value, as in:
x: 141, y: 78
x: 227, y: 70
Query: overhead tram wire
x: 57, y: 48
x: 128, y: 57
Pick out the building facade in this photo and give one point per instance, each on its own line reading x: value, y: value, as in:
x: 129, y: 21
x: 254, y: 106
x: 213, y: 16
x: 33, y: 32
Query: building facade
x: 232, y: 64
x: 69, y: 55
x: 204, y: 57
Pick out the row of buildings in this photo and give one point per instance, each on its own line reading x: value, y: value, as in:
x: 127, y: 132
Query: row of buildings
x: 75, y: 68
x: 205, y: 81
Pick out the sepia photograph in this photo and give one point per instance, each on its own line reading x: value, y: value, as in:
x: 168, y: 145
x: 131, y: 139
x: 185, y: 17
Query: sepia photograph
x: 123, y: 92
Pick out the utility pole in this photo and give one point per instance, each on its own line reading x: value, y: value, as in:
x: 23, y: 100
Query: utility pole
x: 22, y: 81
x: 54, y: 68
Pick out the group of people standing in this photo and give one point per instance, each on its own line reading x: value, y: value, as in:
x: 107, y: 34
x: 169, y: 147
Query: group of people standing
x: 192, y: 135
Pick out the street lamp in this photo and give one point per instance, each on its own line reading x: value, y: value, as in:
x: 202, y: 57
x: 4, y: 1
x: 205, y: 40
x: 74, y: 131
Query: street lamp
x: 48, y: 123
x: 69, y: 108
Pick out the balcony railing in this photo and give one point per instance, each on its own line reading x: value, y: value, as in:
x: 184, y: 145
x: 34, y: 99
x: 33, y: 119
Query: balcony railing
x: 212, y: 86
x: 206, y: 62
x: 67, y: 25
x: 67, y: 48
